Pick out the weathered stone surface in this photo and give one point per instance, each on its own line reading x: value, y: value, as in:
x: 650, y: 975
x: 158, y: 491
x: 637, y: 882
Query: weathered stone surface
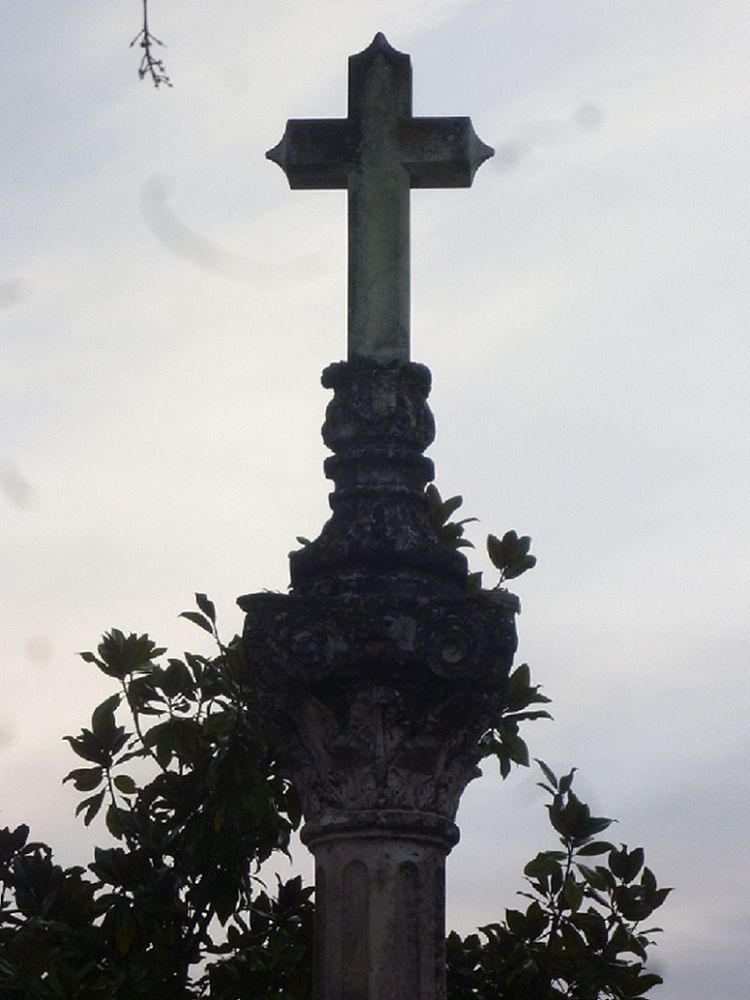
x: 380, y: 896
x: 379, y: 700
x: 378, y: 152
x: 378, y: 538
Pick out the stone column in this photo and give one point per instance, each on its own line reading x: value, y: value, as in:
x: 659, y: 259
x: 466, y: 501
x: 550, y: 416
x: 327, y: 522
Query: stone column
x: 380, y: 892
x: 379, y: 674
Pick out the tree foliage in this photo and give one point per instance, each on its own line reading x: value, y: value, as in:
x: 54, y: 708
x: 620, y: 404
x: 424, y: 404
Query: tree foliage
x: 187, y: 783
x: 509, y: 554
x: 580, y: 934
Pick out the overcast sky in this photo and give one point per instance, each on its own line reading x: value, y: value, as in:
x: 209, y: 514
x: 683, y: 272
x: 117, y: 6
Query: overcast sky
x: 167, y: 304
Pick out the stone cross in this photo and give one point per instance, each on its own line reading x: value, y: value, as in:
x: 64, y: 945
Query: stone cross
x: 378, y: 673
x: 378, y: 152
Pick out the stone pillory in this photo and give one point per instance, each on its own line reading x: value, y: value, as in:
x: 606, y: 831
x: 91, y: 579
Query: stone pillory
x: 378, y: 152
x: 378, y: 673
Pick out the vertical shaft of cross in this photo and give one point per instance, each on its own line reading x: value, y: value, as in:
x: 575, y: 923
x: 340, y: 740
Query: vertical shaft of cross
x: 379, y: 308
x: 378, y: 207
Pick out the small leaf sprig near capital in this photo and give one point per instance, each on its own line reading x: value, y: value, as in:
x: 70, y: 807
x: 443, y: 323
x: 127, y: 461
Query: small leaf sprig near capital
x: 449, y: 533
x: 509, y: 554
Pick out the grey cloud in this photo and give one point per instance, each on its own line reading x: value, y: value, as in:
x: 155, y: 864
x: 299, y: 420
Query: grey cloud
x: 185, y: 242
x: 14, y: 485
x: 549, y: 132
x: 13, y: 291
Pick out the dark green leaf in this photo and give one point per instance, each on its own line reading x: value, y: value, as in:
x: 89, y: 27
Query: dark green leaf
x: 617, y: 861
x: 594, y: 878
x: 197, y: 619
x: 572, y: 893
x: 519, y: 688
x: 103, y: 720
x: 463, y: 543
x: 90, y: 658
x: 594, y: 848
x: 125, y: 932
x: 645, y: 983
x: 547, y: 788
x: 593, y: 926
x: 519, y: 566
x: 516, y: 922
x: 85, y: 779
x: 633, y: 864
x: 495, y: 551
x: 509, y: 544
x: 433, y: 496
x: 527, y: 716
x: 544, y: 864
x: 112, y: 819
x: 175, y: 679
x: 206, y: 606
x: 90, y: 806
x: 567, y: 780
x: 516, y: 748
x: 450, y: 506
x: 87, y: 747
x: 548, y: 773
x: 12, y: 841
x: 593, y: 825
x: 648, y: 880
x: 125, y: 784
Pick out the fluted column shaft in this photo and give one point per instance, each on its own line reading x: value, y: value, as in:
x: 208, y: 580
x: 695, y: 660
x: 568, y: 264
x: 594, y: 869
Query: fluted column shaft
x: 380, y: 916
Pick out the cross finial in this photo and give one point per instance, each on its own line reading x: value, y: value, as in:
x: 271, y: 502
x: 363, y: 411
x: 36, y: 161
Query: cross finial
x: 378, y: 152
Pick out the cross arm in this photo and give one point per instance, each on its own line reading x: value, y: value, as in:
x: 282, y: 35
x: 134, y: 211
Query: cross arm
x: 315, y: 152
x: 441, y: 152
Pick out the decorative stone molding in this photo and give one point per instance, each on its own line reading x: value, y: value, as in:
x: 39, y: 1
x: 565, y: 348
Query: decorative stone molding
x: 379, y: 673
x: 378, y: 538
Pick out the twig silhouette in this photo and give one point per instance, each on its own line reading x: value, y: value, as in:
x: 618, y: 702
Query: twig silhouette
x: 150, y: 65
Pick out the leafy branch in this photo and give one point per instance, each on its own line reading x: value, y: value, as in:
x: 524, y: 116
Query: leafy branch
x: 503, y: 740
x: 509, y: 554
x: 449, y: 533
x: 580, y: 936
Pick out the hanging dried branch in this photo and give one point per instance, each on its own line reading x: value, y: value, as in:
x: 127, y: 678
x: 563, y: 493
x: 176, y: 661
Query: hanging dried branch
x: 150, y: 65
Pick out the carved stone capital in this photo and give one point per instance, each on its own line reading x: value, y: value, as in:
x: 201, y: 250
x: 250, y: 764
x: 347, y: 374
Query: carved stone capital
x: 379, y: 701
